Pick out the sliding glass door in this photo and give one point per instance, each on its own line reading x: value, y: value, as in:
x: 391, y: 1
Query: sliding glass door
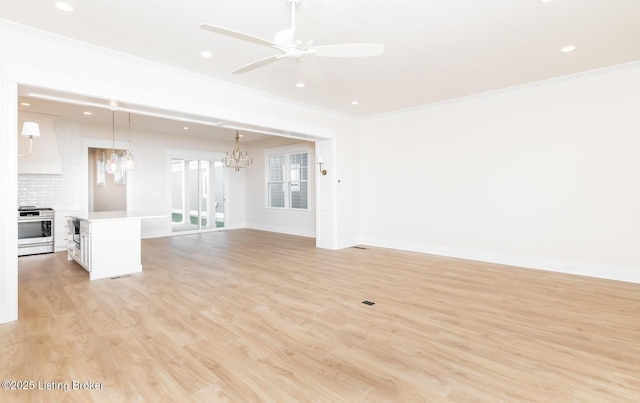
x: 197, y: 196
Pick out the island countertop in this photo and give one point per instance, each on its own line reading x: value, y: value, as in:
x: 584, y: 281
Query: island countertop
x: 107, y: 244
x: 112, y: 215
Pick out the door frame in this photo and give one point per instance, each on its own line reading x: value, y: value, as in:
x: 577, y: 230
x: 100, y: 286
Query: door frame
x: 195, y: 155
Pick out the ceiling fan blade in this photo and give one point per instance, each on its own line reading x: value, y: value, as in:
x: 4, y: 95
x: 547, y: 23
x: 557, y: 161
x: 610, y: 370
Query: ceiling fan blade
x: 237, y: 35
x: 312, y: 71
x: 259, y: 63
x: 349, y: 50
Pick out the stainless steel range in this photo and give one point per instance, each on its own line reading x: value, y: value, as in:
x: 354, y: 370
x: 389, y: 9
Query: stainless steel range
x: 35, y: 230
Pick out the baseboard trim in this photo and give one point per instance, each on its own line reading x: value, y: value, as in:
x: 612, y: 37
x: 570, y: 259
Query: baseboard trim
x: 608, y: 272
x: 284, y: 230
x: 8, y: 313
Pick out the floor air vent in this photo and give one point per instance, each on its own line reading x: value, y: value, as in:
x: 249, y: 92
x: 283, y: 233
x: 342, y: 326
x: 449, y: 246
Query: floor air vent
x: 368, y: 302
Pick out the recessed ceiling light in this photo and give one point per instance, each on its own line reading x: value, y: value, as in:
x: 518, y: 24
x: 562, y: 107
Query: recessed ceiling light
x: 568, y: 49
x: 206, y: 53
x: 300, y: 85
x: 546, y: 1
x: 88, y: 113
x: 355, y: 102
x: 186, y: 128
x: 25, y: 104
x: 63, y: 6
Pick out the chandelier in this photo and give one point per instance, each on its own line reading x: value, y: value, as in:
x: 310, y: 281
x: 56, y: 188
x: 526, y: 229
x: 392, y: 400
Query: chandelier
x: 238, y: 159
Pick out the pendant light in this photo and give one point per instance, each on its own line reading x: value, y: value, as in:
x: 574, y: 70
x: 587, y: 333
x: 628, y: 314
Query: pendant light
x: 113, y: 165
x: 129, y: 162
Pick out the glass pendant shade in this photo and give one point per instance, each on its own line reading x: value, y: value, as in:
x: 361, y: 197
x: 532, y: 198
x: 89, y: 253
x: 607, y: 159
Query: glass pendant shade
x: 112, y: 166
x: 119, y: 163
x: 129, y: 161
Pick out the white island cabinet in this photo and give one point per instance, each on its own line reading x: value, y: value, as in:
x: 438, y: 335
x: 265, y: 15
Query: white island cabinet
x: 106, y: 244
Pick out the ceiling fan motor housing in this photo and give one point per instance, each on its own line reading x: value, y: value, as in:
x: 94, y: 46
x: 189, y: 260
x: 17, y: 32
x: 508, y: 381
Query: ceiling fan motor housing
x: 294, y: 50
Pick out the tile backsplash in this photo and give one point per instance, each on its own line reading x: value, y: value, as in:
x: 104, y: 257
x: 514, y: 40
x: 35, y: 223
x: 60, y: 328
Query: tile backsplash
x: 60, y: 192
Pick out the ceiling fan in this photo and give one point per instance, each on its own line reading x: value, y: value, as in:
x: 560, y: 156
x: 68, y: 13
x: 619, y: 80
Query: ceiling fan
x: 295, y: 50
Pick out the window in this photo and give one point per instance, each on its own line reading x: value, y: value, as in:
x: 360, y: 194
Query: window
x: 276, y: 181
x: 288, y: 180
x: 298, y: 167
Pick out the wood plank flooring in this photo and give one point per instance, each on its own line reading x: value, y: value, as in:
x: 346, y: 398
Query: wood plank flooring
x: 251, y: 316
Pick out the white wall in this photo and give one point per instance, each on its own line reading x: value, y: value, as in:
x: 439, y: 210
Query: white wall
x: 344, y: 171
x: 8, y: 197
x: 542, y: 176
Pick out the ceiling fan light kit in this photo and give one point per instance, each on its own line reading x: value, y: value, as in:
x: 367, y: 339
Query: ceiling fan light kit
x: 296, y: 50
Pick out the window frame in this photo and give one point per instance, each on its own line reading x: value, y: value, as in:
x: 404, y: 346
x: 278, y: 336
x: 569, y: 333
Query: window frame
x: 287, y: 152
x: 271, y: 181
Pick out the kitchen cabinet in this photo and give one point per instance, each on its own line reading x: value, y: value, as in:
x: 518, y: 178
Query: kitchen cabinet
x: 79, y: 244
x: 106, y: 244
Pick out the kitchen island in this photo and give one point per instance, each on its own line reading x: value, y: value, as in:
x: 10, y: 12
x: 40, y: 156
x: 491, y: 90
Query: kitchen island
x: 107, y: 243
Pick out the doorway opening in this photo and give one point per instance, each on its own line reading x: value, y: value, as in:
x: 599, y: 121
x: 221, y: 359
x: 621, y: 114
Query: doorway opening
x: 107, y: 192
x: 197, y: 195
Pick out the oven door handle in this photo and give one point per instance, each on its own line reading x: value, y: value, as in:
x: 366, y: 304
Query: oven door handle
x: 34, y: 219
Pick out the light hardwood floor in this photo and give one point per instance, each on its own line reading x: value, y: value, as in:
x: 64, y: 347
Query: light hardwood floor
x: 247, y: 316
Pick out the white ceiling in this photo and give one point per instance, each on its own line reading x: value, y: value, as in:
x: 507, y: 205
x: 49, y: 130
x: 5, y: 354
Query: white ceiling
x: 435, y: 50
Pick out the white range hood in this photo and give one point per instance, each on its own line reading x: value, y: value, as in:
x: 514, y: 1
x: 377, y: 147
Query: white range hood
x: 45, y: 154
